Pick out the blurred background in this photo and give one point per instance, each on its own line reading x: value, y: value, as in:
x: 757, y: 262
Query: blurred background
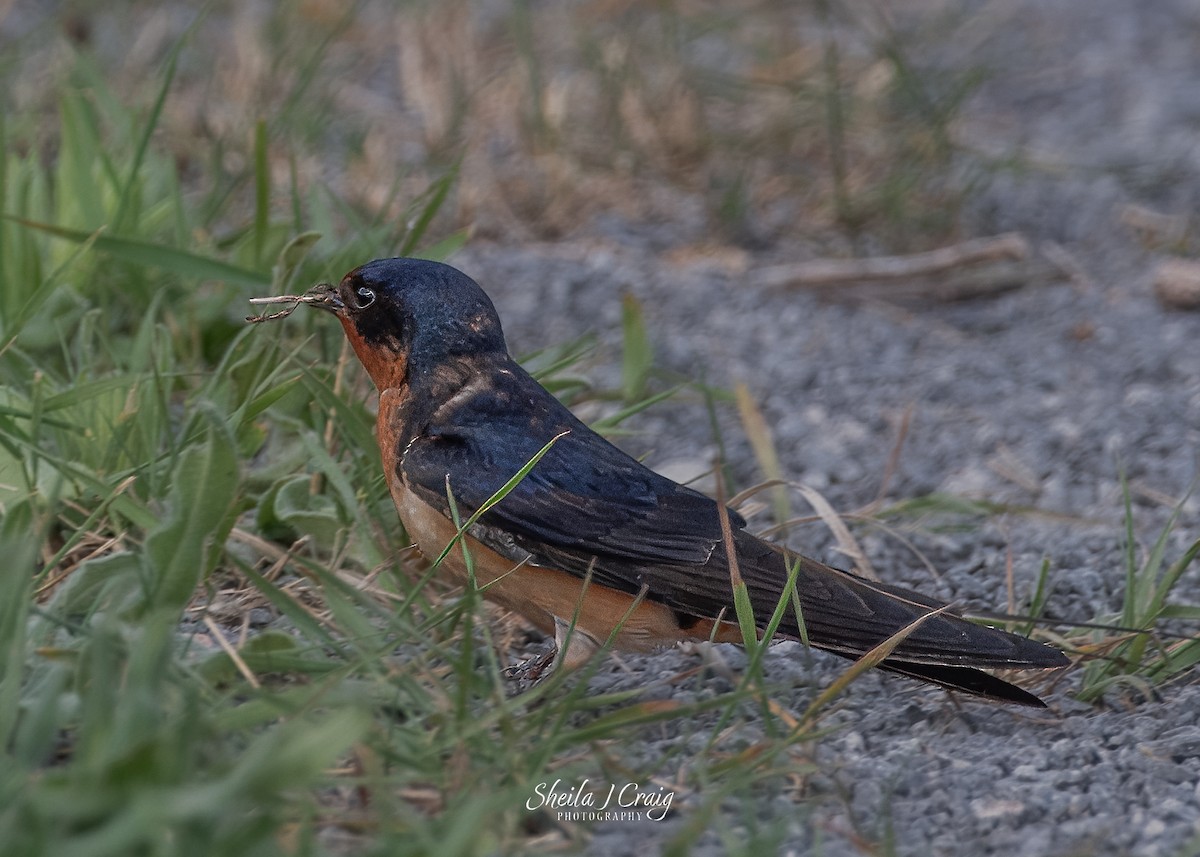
x: 212, y: 639
x: 746, y: 123
x: 842, y: 128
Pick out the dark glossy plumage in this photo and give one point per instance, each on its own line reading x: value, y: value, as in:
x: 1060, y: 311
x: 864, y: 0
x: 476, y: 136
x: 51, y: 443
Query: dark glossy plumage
x: 587, y: 507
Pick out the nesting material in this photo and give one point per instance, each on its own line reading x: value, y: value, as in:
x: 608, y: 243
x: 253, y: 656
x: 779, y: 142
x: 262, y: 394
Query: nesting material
x: 321, y: 293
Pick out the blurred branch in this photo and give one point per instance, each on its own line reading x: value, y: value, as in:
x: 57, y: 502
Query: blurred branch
x: 831, y: 272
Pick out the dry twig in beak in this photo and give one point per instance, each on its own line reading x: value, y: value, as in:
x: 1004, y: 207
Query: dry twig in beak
x: 316, y: 295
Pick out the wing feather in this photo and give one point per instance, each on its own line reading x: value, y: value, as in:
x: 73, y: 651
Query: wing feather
x: 587, y: 507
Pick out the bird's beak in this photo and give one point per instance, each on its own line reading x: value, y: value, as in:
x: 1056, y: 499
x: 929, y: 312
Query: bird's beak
x: 325, y: 296
x: 322, y: 295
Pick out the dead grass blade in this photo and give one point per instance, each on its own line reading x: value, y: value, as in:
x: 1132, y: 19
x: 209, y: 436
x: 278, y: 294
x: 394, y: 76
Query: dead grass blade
x: 868, y: 661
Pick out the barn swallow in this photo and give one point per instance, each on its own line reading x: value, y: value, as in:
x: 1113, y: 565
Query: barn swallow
x: 591, y: 544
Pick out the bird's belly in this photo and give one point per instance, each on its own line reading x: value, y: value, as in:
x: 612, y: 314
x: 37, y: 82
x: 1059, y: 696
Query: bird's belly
x: 539, y: 594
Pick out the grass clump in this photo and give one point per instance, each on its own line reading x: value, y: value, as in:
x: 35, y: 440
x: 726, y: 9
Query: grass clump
x: 1138, y: 650
x: 213, y: 640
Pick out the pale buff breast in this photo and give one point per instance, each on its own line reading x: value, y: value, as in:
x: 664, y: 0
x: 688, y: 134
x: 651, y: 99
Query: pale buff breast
x: 539, y: 594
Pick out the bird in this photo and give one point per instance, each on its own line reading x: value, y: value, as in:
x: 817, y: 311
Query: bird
x: 590, y: 545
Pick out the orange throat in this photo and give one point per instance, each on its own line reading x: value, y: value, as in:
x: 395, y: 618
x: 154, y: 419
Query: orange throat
x: 386, y: 367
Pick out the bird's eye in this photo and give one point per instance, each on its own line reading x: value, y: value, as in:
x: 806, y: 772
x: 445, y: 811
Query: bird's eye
x: 366, y: 297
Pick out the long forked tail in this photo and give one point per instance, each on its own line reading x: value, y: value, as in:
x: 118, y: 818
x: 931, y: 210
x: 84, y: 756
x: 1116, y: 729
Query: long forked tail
x: 849, y: 615
x: 966, y: 680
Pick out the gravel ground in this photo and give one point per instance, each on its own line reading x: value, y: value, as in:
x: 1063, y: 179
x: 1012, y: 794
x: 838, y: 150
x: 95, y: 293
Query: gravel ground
x: 1035, y: 397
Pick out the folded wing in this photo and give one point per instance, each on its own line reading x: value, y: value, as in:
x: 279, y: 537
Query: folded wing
x: 587, y: 507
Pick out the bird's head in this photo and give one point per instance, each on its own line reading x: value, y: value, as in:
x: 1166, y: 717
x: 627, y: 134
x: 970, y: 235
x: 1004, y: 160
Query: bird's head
x: 406, y: 316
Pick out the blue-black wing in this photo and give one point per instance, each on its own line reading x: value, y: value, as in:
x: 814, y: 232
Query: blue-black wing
x: 586, y: 507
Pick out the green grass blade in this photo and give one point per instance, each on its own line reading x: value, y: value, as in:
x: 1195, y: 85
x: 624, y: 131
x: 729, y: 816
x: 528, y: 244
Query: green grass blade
x: 262, y: 192
x: 124, y: 206
x: 184, y: 548
x: 611, y: 422
x: 499, y: 495
x: 434, y: 198
x: 638, y: 353
x: 18, y: 542
x: 150, y: 255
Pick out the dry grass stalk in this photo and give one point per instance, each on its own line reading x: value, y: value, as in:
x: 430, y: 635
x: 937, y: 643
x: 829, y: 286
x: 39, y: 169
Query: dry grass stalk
x: 318, y: 294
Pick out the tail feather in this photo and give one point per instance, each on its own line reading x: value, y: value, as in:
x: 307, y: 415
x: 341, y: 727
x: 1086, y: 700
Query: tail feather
x: 850, y: 615
x: 966, y: 680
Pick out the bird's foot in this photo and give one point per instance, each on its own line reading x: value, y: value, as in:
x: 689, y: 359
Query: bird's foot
x: 528, y: 673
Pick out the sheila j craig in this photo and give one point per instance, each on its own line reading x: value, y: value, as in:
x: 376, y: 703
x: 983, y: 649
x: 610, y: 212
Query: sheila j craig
x: 630, y: 796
